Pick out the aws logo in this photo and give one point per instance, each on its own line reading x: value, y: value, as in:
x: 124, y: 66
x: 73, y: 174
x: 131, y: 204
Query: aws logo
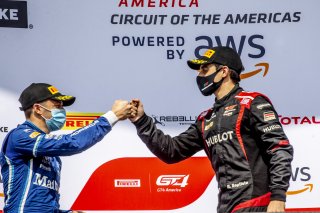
x: 255, y: 50
x: 301, y: 174
x: 78, y: 120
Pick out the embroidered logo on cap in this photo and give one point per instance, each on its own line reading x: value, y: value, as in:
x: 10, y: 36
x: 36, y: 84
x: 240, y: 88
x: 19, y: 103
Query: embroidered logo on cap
x: 198, y: 61
x: 53, y: 90
x: 209, y: 53
x: 63, y: 98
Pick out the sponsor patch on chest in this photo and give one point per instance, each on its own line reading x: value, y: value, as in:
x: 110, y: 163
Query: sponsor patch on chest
x: 229, y: 110
x: 219, y: 138
x: 34, y: 134
x: 237, y: 185
x: 208, y: 126
x: 45, y: 181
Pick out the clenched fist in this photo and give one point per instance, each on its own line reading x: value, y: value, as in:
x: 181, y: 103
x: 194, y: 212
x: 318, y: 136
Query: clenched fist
x: 123, y: 109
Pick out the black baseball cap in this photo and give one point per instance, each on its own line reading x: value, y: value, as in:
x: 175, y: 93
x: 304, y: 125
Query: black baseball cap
x: 219, y: 55
x: 38, y: 92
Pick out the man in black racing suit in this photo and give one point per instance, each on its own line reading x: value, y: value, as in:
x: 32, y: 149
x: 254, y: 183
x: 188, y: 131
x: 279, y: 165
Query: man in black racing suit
x: 241, y: 135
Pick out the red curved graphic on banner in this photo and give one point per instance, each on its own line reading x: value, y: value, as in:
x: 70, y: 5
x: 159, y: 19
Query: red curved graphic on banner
x: 145, y: 184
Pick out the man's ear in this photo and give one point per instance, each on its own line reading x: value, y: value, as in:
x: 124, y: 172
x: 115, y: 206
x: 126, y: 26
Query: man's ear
x: 37, y: 109
x: 225, y: 71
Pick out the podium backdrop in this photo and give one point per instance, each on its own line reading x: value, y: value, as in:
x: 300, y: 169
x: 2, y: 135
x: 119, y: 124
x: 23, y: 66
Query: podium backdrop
x: 103, y: 50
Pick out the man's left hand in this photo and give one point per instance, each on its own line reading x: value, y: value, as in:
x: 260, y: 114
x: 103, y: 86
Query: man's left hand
x: 276, y: 206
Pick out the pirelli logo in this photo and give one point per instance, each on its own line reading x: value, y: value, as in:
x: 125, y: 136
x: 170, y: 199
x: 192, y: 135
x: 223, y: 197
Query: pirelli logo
x: 127, y: 183
x: 53, y: 90
x: 76, y: 120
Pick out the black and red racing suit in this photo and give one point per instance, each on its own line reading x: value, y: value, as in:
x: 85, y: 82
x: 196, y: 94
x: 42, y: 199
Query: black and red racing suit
x: 245, y: 143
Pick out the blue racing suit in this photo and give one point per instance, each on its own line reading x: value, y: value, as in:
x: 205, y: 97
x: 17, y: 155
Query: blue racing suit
x: 30, y: 165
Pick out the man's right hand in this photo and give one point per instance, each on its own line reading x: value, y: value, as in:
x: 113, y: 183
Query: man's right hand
x: 123, y: 110
x: 140, y: 111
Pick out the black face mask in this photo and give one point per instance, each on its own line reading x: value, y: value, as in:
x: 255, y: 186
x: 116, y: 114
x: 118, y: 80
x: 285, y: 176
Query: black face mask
x: 206, y: 84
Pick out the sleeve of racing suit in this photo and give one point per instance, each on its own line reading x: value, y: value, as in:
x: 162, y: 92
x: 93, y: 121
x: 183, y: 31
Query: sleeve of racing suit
x: 169, y: 149
x: 275, y: 145
x: 36, y: 144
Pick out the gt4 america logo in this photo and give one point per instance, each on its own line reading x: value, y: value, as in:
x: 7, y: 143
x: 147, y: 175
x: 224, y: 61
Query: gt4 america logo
x: 173, y: 180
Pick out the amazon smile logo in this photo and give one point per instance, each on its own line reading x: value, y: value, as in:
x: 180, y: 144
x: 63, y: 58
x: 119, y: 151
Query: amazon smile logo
x: 308, y: 187
x: 261, y: 67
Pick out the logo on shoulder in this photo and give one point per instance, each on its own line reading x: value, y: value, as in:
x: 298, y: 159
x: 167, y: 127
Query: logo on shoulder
x: 34, y: 134
x: 269, y: 116
x: 245, y: 101
x: 261, y: 106
x: 50, y: 136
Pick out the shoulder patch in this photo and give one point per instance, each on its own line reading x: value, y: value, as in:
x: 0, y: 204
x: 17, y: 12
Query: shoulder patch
x: 27, y: 130
x: 246, y: 98
x: 34, y: 134
x: 204, y: 114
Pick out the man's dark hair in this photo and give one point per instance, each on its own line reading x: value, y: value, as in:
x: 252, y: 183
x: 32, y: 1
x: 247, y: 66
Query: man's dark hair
x: 235, y: 77
x: 28, y: 112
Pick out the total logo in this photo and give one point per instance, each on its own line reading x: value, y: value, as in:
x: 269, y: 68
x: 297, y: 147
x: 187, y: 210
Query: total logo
x: 252, y: 43
x: 298, y: 120
x: 164, y: 120
x: 174, y: 183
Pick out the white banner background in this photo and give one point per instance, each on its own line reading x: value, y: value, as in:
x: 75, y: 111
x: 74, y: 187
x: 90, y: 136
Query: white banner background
x: 69, y: 44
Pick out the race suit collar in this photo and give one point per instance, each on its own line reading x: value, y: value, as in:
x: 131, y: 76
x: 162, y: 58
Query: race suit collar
x: 32, y: 126
x: 221, y: 102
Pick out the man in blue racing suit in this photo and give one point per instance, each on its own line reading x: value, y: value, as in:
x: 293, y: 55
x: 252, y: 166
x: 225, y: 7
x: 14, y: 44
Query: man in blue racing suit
x: 30, y: 163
